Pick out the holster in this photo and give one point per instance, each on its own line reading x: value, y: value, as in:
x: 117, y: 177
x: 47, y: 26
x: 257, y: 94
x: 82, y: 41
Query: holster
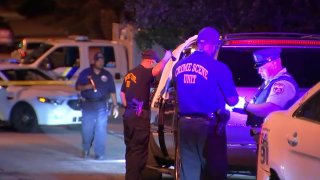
x: 137, y: 105
x: 223, y: 117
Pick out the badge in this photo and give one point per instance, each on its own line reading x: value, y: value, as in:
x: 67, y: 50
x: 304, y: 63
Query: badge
x: 104, y: 78
x: 278, y: 88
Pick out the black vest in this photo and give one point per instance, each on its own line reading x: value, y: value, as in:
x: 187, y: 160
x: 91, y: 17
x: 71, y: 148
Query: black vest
x: 262, y: 95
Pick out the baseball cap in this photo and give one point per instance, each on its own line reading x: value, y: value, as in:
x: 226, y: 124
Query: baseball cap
x: 150, y: 54
x: 98, y: 56
x: 263, y: 56
x: 208, y: 35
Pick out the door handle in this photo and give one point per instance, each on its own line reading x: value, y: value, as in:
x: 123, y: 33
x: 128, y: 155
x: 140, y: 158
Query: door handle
x: 293, y: 141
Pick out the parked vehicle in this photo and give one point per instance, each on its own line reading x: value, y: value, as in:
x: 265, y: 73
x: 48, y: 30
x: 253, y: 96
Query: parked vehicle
x: 300, y: 55
x: 289, y: 147
x: 30, y: 98
x: 65, y: 58
x: 24, y: 47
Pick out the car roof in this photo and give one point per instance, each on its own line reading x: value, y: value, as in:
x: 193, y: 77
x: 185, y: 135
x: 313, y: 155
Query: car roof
x: 75, y: 40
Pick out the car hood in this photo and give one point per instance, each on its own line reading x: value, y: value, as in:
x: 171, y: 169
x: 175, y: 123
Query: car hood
x: 43, y: 90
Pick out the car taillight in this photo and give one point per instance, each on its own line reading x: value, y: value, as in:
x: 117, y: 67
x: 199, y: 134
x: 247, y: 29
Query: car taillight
x: 261, y: 42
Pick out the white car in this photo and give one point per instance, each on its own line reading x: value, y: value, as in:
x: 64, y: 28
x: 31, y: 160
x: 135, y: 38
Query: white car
x: 30, y: 98
x: 289, y: 141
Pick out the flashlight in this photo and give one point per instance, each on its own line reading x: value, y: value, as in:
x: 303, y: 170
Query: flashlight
x: 92, y: 83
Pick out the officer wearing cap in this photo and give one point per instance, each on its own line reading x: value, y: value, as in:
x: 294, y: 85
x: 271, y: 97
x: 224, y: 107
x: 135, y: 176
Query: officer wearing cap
x: 204, y: 86
x: 96, y: 86
x: 135, y: 95
x: 278, y: 91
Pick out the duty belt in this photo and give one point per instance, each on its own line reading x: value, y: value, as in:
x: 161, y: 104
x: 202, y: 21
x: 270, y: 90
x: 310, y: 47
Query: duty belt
x: 94, y: 99
x: 209, y: 116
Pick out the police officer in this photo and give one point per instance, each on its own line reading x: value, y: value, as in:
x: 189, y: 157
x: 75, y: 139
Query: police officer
x: 96, y: 86
x: 204, y: 85
x: 278, y: 91
x: 135, y: 95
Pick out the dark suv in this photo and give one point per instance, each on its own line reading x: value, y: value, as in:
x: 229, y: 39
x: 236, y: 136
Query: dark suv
x: 300, y: 55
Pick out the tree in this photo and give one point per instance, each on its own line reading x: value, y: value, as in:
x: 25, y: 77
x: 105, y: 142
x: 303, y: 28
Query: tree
x: 168, y: 22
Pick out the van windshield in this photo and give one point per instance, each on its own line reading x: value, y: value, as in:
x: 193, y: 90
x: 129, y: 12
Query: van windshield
x: 35, y: 54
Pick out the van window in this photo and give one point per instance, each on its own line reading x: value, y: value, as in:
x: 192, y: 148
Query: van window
x: 34, y: 55
x: 33, y: 45
x: 109, y: 57
x: 63, y: 57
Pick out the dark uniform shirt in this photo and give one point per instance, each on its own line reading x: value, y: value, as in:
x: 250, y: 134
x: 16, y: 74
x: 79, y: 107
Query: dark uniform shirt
x: 202, y: 84
x: 104, y: 83
x: 137, y: 84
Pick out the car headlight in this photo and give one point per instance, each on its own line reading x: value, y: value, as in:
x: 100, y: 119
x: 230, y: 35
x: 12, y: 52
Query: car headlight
x: 50, y: 100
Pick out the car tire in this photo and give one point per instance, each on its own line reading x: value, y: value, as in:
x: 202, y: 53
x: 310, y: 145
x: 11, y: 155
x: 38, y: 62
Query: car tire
x: 274, y: 175
x: 23, y: 118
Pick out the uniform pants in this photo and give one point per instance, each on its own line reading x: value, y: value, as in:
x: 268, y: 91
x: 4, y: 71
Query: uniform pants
x: 203, y: 152
x: 136, y: 138
x: 94, y: 129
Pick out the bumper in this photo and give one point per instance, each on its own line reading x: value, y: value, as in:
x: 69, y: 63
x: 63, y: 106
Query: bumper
x: 50, y: 114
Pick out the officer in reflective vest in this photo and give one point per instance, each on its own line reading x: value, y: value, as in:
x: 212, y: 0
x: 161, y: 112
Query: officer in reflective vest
x: 278, y: 91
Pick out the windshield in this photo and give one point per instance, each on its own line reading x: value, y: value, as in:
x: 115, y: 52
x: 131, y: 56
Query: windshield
x: 25, y: 75
x: 35, y: 54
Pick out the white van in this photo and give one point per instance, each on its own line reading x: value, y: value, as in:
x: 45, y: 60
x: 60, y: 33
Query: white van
x: 65, y: 58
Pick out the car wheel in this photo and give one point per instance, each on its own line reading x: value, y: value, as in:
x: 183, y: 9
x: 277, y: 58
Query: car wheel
x: 23, y: 118
x: 274, y: 175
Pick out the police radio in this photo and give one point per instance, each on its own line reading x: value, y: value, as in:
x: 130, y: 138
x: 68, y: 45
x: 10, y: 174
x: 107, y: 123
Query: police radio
x: 93, y: 84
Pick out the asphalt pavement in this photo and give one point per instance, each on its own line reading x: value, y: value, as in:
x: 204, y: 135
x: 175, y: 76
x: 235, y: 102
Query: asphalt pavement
x: 55, y: 154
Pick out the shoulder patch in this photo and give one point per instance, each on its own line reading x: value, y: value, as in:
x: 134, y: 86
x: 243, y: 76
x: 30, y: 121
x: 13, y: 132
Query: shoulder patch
x: 104, y: 78
x: 278, y: 88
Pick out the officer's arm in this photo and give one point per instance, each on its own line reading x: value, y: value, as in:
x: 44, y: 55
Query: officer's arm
x: 159, y: 67
x: 262, y: 110
x: 114, y: 99
x: 233, y: 100
x: 123, y: 98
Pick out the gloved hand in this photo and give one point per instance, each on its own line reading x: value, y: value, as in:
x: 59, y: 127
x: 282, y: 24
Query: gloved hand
x: 115, y: 111
x: 241, y: 102
x: 239, y: 105
x: 167, y: 55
